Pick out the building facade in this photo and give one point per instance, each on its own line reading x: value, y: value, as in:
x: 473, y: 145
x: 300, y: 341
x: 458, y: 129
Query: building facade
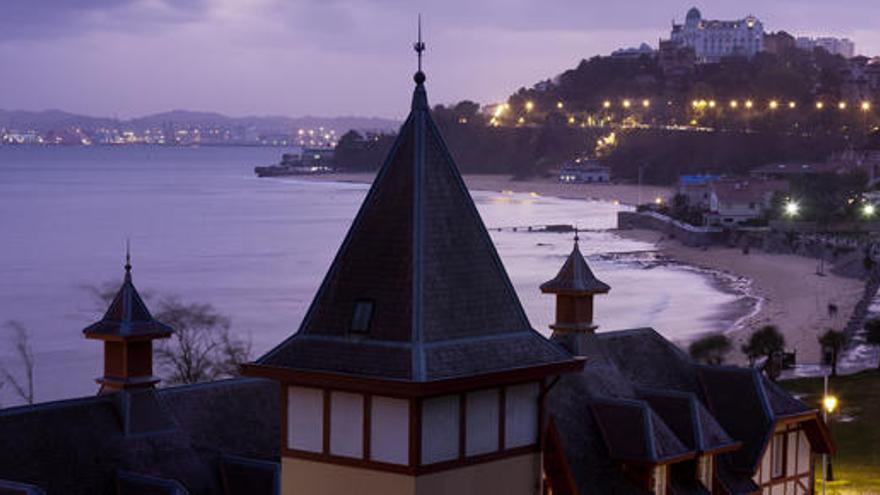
x: 713, y: 40
x: 835, y: 46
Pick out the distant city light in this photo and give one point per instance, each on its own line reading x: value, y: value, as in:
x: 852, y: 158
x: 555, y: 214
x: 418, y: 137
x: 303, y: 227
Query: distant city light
x: 792, y: 104
x: 571, y: 120
x: 792, y: 208
x: 866, y: 105
x: 774, y: 104
x: 712, y: 103
x: 842, y: 105
x: 521, y: 120
x: 626, y: 103
x: 734, y: 103
x: 530, y: 105
x: 658, y: 200
x: 559, y: 105
x: 820, y: 105
x: 869, y: 210
x: 606, y: 104
x: 749, y: 104
x: 646, y: 103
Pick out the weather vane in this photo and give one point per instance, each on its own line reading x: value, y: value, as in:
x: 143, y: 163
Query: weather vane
x: 127, y: 254
x: 419, y: 45
x: 576, y: 237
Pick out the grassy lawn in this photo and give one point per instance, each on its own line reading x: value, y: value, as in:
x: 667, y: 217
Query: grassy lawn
x: 855, y: 427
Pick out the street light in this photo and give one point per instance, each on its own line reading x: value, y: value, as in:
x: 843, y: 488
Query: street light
x: 866, y: 106
x: 646, y: 103
x: 820, y: 105
x: 530, y: 106
x: 791, y: 208
x: 749, y: 104
x: 869, y: 210
x: 830, y: 403
x: 774, y: 104
x: 626, y: 103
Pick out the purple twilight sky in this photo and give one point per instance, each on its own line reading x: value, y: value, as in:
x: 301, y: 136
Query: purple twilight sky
x: 338, y: 57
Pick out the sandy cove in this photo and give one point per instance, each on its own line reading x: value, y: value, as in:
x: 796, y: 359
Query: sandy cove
x: 791, y: 295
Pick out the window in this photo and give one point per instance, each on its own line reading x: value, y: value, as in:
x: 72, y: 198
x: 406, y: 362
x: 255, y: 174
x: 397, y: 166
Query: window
x: 482, y: 422
x: 346, y: 424
x: 704, y: 471
x: 305, y: 419
x: 659, y: 480
x: 440, y: 429
x: 361, y: 316
x: 521, y: 415
x: 389, y: 430
x: 777, y: 453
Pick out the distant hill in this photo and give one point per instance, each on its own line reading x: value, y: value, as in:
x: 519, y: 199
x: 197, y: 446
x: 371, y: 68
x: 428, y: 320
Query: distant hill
x: 51, y: 120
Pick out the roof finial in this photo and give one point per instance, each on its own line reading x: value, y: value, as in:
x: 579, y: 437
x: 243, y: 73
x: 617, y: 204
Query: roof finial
x: 127, y: 256
x: 576, y: 237
x: 419, y: 47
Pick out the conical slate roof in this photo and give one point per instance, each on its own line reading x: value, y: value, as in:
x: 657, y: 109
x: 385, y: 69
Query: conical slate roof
x: 127, y: 317
x: 417, y: 291
x: 575, y: 276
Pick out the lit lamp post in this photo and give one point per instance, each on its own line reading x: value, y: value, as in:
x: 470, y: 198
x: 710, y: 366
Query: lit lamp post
x: 829, y: 405
x: 791, y: 208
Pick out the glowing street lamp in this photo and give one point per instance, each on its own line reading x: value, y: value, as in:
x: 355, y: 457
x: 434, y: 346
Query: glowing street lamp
x: 712, y: 103
x: 559, y: 105
x: 866, y: 106
x: 830, y: 403
x: 749, y: 104
x: 626, y: 103
x: 530, y: 105
x: 842, y: 105
x: 869, y: 210
x: 791, y: 208
x: 820, y: 105
x: 606, y: 104
x: 792, y: 105
x: 734, y: 103
x: 646, y: 103
x: 774, y: 104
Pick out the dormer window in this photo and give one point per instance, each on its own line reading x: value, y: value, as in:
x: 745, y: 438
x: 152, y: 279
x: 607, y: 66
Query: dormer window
x: 361, y: 316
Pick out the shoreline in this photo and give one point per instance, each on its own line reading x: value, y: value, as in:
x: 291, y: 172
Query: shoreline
x: 786, y: 289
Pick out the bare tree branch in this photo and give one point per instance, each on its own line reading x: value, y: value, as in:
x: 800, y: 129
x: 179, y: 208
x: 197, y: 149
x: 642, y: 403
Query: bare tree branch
x: 21, y: 342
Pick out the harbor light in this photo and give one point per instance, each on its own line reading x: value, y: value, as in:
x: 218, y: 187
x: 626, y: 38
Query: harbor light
x: 830, y: 403
x: 869, y: 210
x: 792, y: 208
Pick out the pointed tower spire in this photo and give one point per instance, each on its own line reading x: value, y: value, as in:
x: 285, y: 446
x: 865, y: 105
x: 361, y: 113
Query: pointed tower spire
x: 128, y: 330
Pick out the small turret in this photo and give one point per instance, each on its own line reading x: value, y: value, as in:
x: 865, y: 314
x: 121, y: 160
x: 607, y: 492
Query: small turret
x: 128, y: 330
x: 574, y: 286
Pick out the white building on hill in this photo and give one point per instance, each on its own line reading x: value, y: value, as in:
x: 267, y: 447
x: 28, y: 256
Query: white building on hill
x: 713, y: 40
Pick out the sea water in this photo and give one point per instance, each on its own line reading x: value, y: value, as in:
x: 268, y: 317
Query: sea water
x: 204, y: 228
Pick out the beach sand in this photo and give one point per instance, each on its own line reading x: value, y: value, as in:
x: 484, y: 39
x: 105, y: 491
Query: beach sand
x: 793, y: 297
x: 625, y: 193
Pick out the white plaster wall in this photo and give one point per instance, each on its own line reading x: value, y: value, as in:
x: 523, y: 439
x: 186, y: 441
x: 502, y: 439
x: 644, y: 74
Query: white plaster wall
x: 482, y: 422
x: 347, y: 424
x: 521, y: 415
x: 305, y: 419
x: 440, y: 418
x: 389, y: 430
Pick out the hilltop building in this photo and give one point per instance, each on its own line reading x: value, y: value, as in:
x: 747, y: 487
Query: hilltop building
x: 835, y: 46
x: 416, y: 372
x: 713, y: 40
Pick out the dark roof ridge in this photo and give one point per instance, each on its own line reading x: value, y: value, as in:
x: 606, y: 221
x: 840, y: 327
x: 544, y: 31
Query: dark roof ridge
x: 56, y: 404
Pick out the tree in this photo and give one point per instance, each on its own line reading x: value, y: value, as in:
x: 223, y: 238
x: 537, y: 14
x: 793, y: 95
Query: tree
x: 202, y: 348
x: 763, y: 343
x: 872, y: 333
x: 710, y: 349
x: 21, y: 343
x: 833, y: 341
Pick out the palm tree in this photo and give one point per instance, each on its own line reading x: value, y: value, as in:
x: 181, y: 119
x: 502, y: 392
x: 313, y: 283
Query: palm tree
x: 833, y: 341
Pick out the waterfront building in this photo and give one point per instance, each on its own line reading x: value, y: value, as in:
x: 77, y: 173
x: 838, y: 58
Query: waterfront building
x: 696, y: 189
x: 713, y: 40
x: 835, y: 46
x: 736, y: 200
x: 584, y: 172
x: 416, y: 371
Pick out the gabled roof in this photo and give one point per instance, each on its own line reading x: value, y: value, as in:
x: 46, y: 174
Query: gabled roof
x: 575, y: 276
x: 689, y: 420
x: 128, y: 316
x: 424, y: 276
x: 634, y: 432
